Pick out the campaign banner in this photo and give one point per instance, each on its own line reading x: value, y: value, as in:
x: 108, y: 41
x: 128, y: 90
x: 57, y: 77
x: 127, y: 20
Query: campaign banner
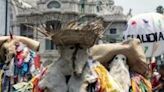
x: 149, y: 29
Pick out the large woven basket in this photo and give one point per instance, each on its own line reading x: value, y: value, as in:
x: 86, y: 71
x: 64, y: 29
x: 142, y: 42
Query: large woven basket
x: 132, y: 49
x: 75, y: 32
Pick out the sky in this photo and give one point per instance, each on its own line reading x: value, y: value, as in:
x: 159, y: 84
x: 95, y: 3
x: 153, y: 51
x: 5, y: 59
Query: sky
x: 2, y: 17
x: 139, y: 6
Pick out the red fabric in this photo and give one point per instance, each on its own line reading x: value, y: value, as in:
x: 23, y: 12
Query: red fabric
x: 35, y: 84
x: 19, y: 55
x: 20, y: 58
x: 37, y: 62
x: 36, y: 88
x: 153, y: 66
x: 155, y: 81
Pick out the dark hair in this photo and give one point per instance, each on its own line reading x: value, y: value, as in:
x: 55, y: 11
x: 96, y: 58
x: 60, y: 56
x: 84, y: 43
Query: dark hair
x: 161, y: 67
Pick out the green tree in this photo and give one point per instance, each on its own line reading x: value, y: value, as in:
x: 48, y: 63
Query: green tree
x: 160, y: 9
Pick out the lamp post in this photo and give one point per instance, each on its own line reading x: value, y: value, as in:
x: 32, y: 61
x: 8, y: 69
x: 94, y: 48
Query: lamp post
x: 6, y: 17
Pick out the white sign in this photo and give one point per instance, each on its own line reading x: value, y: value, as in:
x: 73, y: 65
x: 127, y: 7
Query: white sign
x: 149, y: 28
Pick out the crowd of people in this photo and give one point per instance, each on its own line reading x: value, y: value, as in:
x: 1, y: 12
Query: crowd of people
x: 157, y: 74
x: 25, y: 72
x: 83, y: 66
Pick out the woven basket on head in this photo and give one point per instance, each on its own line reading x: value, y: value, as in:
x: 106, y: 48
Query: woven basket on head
x: 77, y: 32
x: 132, y: 49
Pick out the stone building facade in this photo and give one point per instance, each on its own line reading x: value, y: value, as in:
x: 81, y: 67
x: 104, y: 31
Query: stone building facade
x: 57, y: 12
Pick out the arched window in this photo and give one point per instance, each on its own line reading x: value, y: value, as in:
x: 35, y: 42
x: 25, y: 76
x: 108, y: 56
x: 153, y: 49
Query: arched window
x: 53, y: 4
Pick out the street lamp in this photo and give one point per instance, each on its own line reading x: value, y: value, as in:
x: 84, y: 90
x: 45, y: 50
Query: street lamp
x: 6, y: 18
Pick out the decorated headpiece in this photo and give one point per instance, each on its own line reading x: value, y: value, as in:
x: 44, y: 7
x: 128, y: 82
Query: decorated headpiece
x: 83, y: 33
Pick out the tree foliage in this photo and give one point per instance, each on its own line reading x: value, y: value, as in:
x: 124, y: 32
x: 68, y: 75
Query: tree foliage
x: 160, y: 9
